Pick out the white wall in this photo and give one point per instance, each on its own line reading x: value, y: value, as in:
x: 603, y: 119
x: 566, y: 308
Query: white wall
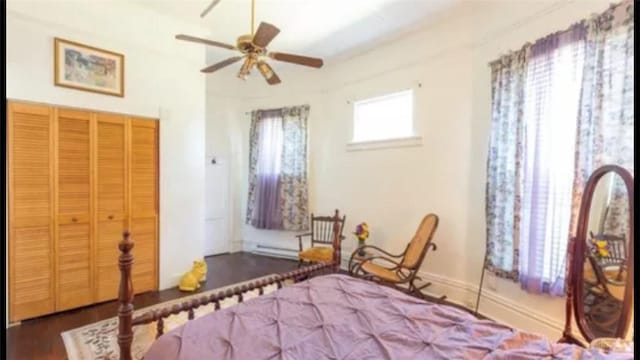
x: 392, y: 189
x: 162, y: 80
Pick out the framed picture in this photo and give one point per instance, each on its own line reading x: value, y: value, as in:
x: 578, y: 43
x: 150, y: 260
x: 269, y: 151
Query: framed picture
x: 84, y: 67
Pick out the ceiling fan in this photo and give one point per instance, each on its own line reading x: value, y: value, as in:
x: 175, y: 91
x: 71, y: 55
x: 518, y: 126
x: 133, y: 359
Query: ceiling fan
x: 254, y: 51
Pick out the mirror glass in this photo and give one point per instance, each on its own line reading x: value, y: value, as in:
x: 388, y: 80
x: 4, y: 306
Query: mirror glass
x: 605, y: 265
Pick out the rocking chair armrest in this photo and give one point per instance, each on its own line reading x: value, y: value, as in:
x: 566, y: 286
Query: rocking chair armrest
x: 397, y: 264
x: 353, y: 267
x: 382, y: 251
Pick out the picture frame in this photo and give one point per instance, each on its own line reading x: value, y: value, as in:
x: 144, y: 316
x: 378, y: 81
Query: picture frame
x: 83, y: 67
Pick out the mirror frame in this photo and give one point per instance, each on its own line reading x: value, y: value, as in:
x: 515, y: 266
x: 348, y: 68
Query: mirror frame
x: 577, y: 258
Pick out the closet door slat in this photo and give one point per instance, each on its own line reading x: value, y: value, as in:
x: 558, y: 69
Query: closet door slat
x: 110, y: 194
x: 73, y: 180
x: 144, y: 202
x: 31, y: 211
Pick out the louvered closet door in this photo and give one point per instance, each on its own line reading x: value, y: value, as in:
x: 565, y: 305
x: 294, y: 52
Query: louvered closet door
x: 73, y: 179
x: 110, y: 197
x: 144, y: 203
x: 31, y: 196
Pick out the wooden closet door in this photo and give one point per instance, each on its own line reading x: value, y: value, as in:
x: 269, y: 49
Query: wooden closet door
x: 31, y: 198
x: 144, y: 203
x: 73, y: 180
x: 110, y: 194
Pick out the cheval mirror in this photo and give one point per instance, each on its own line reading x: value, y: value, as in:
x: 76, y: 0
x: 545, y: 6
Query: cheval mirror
x: 600, y: 293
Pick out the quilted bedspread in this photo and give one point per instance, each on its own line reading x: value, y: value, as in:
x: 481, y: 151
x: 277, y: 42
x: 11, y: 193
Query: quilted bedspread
x: 340, y: 317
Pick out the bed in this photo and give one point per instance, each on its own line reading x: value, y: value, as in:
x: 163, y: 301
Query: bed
x: 321, y: 315
x: 340, y: 317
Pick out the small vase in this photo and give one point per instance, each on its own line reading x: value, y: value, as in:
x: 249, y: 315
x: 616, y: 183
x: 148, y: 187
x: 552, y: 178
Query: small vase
x: 361, y: 251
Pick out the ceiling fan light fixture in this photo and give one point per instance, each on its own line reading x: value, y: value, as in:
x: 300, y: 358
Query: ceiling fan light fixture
x: 265, y: 70
x: 246, y: 67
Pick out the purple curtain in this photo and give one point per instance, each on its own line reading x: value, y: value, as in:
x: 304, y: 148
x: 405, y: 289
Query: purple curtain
x: 552, y: 93
x: 266, y: 212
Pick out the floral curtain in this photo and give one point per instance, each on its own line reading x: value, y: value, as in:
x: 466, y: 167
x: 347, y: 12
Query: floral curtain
x: 521, y: 196
x: 504, y: 168
x: 256, y: 116
x: 606, y: 113
x: 293, y: 181
x: 278, y: 194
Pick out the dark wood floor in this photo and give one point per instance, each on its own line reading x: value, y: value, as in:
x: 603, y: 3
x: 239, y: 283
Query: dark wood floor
x: 40, y: 338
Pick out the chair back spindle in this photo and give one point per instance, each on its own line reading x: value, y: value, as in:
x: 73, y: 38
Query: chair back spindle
x: 322, y: 229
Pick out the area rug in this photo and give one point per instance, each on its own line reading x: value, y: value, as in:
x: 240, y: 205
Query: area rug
x: 98, y: 341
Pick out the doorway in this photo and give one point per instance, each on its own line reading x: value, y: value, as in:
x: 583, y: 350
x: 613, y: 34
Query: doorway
x: 216, y: 206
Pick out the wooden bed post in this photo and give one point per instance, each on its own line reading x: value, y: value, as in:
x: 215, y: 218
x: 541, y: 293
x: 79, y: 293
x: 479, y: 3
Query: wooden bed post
x: 125, y: 298
x: 337, y: 243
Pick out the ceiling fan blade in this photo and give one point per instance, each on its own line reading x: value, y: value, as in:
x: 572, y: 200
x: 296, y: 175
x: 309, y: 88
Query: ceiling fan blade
x: 266, y: 32
x: 204, y: 41
x: 297, y: 59
x: 268, y: 73
x: 206, y: 11
x: 221, y: 64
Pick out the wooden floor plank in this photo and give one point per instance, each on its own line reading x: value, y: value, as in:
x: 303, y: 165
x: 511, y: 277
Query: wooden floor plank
x: 40, y: 338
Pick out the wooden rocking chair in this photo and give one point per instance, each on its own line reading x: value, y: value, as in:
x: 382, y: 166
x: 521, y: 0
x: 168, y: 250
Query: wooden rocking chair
x: 404, y: 267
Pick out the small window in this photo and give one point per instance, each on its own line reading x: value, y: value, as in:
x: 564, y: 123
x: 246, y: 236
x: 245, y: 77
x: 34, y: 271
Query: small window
x: 383, y: 118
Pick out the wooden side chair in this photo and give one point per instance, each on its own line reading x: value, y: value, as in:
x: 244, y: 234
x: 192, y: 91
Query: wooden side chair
x: 321, y: 239
x: 401, y: 269
x: 617, y: 257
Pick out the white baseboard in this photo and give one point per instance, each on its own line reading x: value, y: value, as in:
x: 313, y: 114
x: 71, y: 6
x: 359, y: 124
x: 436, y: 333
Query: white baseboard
x: 494, y: 306
x: 270, y: 250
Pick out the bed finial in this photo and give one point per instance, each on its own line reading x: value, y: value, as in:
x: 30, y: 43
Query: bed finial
x: 336, y: 241
x: 125, y: 297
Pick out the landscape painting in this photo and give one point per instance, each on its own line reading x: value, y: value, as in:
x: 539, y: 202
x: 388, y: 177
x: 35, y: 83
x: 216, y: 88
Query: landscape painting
x: 84, y: 67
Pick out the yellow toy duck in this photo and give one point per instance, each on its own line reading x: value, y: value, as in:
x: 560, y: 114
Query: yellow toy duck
x: 191, y: 280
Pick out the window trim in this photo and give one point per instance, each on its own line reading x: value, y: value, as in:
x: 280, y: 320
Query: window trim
x: 408, y: 141
x: 413, y: 139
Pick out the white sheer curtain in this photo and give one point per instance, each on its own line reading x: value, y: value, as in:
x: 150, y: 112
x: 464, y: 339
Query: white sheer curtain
x: 552, y: 94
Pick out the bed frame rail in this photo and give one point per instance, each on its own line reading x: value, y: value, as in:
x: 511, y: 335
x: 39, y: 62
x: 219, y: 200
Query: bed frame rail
x: 126, y: 322
x: 160, y: 314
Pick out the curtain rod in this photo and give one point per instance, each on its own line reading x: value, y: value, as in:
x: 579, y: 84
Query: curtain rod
x: 612, y: 7
x: 276, y: 109
x: 249, y: 112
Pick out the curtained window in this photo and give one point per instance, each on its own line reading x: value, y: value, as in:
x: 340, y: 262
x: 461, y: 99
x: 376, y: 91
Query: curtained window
x: 277, y: 196
x: 552, y: 92
x: 560, y: 108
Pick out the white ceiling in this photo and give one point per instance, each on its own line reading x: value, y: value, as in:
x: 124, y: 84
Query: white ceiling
x: 330, y: 29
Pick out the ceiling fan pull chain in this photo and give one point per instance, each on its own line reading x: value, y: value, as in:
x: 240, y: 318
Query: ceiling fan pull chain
x: 253, y: 12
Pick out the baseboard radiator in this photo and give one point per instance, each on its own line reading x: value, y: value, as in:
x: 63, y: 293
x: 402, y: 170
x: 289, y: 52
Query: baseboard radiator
x: 276, y: 251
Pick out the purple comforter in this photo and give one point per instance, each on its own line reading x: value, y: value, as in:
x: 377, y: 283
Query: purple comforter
x: 339, y: 317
